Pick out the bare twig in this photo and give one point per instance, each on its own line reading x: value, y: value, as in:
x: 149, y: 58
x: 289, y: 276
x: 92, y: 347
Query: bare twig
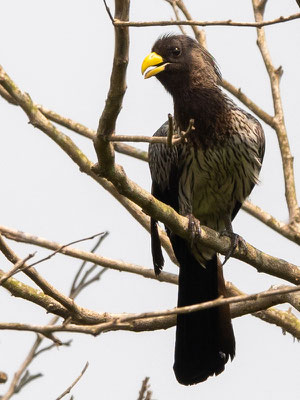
x: 131, y: 151
x: 108, y: 11
x: 138, y: 24
x: 144, y: 392
x: 18, y: 265
x: 137, y: 138
x: 175, y: 9
x: 101, y: 234
x: 86, y: 256
x: 199, y: 33
x: 74, y: 383
x: 76, y: 283
x: 170, y: 140
x: 52, y: 345
x: 25, y: 379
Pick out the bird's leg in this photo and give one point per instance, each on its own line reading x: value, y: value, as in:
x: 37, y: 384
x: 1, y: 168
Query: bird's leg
x: 194, y: 228
x: 236, y: 240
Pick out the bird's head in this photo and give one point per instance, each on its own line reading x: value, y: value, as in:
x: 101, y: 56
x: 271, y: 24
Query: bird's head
x: 178, y: 60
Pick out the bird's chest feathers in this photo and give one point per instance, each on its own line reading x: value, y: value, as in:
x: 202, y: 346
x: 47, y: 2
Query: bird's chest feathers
x: 214, y: 179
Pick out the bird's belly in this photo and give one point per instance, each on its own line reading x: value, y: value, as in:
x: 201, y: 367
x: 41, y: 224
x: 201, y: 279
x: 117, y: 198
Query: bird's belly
x: 213, y: 181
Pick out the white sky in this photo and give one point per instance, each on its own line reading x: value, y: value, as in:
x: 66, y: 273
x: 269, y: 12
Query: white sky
x: 61, y: 52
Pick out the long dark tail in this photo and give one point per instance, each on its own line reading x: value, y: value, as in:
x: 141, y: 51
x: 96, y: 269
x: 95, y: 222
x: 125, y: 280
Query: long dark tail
x: 204, y: 339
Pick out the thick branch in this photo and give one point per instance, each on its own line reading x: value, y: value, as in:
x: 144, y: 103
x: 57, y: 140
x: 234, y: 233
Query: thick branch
x: 19, y: 289
x: 117, y: 88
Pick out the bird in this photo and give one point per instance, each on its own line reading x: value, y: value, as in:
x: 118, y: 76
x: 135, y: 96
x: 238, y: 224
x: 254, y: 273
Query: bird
x: 206, y: 177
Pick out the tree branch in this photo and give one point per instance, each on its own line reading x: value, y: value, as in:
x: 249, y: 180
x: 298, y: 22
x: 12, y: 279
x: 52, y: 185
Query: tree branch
x: 279, y: 125
x: 138, y: 24
x: 107, y: 122
x: 283, y: 229
x: 164, y: 319
x: 86, y: 256
x: 199, y: 33
x: 74, y: 310
x: 68, y: 390
x: 237, y: 92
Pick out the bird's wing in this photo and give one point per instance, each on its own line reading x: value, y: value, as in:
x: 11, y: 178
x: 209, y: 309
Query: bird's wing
x: 164, y: 168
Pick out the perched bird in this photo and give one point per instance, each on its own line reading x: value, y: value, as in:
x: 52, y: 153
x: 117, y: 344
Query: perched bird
x: 206, y: 178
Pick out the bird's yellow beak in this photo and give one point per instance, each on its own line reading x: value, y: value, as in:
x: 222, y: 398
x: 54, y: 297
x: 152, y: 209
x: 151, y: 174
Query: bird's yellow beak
x: 153, y: 60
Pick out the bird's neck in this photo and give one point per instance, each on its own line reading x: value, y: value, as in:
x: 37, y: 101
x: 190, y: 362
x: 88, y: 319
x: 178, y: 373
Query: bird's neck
x: 207, y: 107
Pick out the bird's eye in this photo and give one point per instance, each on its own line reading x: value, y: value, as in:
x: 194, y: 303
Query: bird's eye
x: 175, y: 51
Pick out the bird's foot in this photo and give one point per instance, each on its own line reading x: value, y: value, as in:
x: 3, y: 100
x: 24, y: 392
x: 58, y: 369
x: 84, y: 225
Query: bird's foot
x: 236, y: 240
x: 194, y: 228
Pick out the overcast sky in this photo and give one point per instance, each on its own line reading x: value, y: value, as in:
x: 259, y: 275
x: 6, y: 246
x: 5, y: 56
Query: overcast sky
x: 61, y: 52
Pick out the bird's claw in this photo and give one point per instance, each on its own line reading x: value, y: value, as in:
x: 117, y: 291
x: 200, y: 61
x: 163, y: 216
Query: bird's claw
x: 236, y: 240
x: 194, y: 228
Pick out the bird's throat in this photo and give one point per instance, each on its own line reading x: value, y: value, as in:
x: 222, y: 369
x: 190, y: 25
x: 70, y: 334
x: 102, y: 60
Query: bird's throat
x: 207, y: 107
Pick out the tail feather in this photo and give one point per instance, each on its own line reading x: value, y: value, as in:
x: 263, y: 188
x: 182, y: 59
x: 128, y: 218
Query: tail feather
x: 204, y: 339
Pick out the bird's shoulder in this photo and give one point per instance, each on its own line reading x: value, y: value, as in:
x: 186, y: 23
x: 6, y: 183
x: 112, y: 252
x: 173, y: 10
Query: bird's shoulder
x: 245, y: 127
